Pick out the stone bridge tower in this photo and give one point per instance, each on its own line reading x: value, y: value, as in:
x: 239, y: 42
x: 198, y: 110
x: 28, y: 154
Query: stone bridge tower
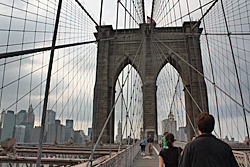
x: 179, y: 46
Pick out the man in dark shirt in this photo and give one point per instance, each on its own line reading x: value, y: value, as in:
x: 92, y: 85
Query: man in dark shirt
x: 150, y: 142
x: 206, y: 150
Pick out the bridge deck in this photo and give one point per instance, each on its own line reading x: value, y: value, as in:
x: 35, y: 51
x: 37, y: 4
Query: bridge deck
x: 146, y: 160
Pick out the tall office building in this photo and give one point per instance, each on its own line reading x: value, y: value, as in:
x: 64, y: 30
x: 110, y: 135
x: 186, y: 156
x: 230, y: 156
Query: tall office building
x: 56, y: 132
x: 1, y: 121
x: 8, y: 125
x: 35, y: 134
x: 169, y: 125
x: 49, y: 120
x: 27, y: 119
x: 50, y: 117
x: 69, y: 131
x: 21, y: 117
x: 21, y: 126
x: 29, y: 124
x: 89, y: 131
x: 77, y: 136
x: 20, y: 133
x: 69, y: 123
x: 82, y: 134
x: 118, y: 136
x: 60, y: 132
x: 182, y: 134
x: 31, y: 116
x: 2, y: 118
x: 51, y: 134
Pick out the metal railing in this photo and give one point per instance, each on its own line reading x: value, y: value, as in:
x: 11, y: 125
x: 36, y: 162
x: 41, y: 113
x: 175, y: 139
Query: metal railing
x: 124, y: 158
x: 242, y: 158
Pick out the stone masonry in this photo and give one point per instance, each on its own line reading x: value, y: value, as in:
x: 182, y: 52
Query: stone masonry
x: 179, y: 46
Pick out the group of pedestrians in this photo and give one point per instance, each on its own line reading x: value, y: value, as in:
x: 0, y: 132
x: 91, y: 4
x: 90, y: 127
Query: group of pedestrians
x: 150, y: 142
x: 204, y: 151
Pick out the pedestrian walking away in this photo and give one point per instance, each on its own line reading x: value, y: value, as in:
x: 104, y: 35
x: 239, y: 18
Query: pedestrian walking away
x: 162, y: 142
x: 170, y: 155
x: 143, y: 145
x: 206, y: 150
x: 150, y: 142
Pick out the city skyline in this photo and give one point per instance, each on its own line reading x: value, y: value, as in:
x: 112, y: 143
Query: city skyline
x: 36, y: 123
x: 21, y: 127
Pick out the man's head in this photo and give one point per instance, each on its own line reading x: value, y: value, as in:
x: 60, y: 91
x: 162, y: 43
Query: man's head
x: 149, y: 136
x: 205, y: 122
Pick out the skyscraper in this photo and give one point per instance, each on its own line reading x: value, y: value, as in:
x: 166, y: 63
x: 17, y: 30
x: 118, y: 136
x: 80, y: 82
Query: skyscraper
x: 31, y: 116
x: 1, y: 121
x: 50, y: 117
x: 51, y: 134
x: 182, y: 134
x: 69, y: 131
x: 60, y: 132
x: 35, y: 134
x: 30, y: 119
x: 26, y: 119
x: 2, y: 118
x: 8, y: 125
x: 50, y: 126
x: 20, y: 133
x: 21, y: 118
x: 169, y: 125
x: 20, y: 127
x: 89, y: 131
x: 69, y: 123
x: 119, y: 129
x: 77, y: 136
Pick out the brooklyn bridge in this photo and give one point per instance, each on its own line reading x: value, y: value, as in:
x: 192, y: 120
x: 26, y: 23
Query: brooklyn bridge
x: 81, y: 82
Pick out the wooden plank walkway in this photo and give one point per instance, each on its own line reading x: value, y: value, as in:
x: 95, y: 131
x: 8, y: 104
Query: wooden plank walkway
x: 146, y: 160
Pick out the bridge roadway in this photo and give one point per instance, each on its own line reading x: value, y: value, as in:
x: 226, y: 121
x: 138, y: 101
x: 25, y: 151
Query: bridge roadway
x: 147, y: 160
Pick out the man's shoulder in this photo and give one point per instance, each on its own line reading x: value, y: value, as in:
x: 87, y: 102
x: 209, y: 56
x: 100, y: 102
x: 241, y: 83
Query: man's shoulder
x: 223, y: 143
x: 206, y: 138
x: 199, y: 139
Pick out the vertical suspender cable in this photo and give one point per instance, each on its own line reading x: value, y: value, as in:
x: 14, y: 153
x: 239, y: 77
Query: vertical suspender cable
x: 111, y: 120
x: 100, y: 21
x: 127, y: 110
x: 152, y: 11
x: 143, y: 11
x: 39, y: 153
x: 125, y: 22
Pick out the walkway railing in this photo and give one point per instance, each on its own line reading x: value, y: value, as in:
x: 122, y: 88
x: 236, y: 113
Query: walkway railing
x: 242, y: 158
x: 123, y: 158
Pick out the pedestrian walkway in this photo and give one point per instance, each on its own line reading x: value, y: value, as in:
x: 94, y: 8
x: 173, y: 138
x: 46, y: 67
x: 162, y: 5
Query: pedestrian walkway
x: 146, y: 160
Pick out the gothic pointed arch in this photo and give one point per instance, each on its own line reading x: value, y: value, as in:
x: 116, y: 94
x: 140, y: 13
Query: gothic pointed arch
x: 182, y: 51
